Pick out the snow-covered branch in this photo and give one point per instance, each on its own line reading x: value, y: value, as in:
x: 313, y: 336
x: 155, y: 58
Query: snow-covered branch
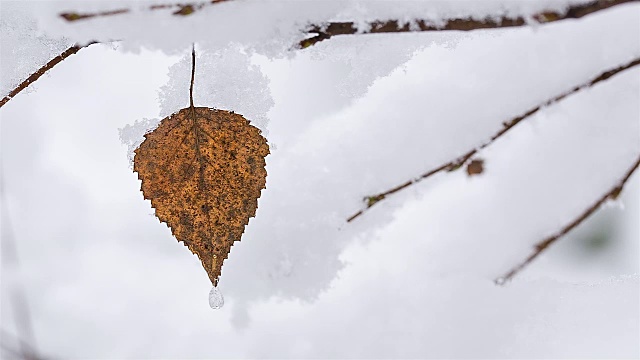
x: 326, y: 31
x: 508, y: 125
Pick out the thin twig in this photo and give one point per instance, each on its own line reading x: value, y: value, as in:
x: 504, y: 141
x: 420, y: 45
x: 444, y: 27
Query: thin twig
x: 459, y: 161
x: 328, y: 30
x: 179, y: 9
x: 544, y: 244
x: 193, y: 73
x: 48, y: 66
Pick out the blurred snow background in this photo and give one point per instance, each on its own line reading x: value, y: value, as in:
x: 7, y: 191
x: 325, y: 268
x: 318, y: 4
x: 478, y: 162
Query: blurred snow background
x: 349, y: 117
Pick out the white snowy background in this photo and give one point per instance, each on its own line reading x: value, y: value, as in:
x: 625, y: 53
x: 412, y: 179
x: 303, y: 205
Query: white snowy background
x: 349, y: 117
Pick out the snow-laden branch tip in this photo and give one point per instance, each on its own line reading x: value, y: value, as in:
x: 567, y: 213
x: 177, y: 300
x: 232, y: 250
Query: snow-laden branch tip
x: 541, y: 246
x: 508, y: 125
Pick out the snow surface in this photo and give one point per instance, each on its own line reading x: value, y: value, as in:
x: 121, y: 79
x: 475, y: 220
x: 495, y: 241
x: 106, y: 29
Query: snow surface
x: 346, y: 118
x: 270, y: 26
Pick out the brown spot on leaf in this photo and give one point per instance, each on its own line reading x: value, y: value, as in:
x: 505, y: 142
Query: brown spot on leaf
x: 475, y: 167
x: 196, y: 171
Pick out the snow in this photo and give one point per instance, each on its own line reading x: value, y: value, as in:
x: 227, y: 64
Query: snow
x: 133, y: 135
x: 24, y: 48
x: 226, y: 77
x: 271, y: 26
x: 346, y: 118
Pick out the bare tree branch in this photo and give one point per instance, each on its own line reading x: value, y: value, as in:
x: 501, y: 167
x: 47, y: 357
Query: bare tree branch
x: 48, y: 66
x: 544, y: 244
x: 328, y: 30
x: 179, y: 9
x: 459, y: 161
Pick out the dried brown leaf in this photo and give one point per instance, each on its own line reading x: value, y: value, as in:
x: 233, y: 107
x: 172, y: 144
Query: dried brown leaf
x: 203, y: 170
x: 475, y: 167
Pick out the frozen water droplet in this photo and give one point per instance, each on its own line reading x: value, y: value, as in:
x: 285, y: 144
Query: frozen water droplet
x: 500, y: 281
x: 216, y: 300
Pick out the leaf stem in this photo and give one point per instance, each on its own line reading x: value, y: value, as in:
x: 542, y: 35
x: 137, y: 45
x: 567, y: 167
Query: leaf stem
x: 193, y: 73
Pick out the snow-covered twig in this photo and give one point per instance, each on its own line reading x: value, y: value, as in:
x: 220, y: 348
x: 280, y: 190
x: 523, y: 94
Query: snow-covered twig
x: 48, y: 66
x: 328, y: 30
x: 544, y: 244
x: 179, y: 9
x: 459, y: 161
